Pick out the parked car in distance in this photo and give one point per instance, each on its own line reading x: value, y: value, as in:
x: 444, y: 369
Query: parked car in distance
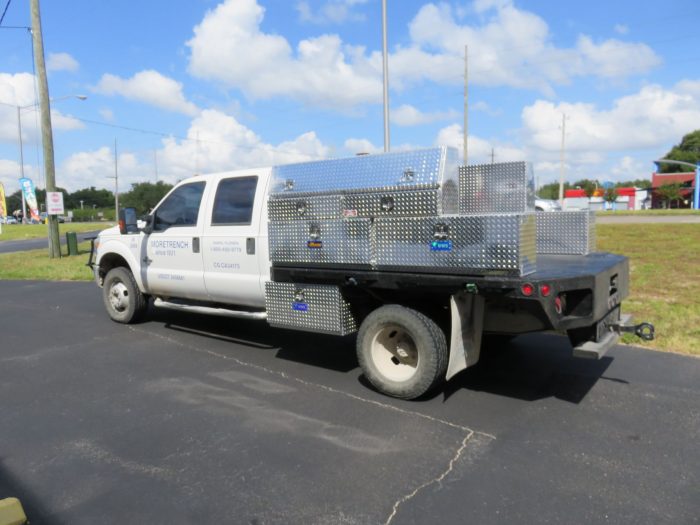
x: 546, y: 204
x: 45, y: 217
x: 10, y: 220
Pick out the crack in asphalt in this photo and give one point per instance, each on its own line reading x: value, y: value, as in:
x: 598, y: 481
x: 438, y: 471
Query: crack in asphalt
x: 470, y: 433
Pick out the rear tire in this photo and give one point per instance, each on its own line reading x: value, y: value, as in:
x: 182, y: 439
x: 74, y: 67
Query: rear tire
x: 402, y: 352
x: 122, y: 298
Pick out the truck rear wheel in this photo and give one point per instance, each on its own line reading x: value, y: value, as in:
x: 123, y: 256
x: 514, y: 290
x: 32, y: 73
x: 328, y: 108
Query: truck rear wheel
x: 402, y: 352
x: 122, y: 298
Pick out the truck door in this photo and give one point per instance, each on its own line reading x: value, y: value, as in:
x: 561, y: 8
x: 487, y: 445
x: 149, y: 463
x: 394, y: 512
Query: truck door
x: 231, y: 245
x: 172, y: 258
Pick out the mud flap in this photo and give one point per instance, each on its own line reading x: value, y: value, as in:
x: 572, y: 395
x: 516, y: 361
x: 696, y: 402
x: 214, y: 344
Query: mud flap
x: 467, y: 311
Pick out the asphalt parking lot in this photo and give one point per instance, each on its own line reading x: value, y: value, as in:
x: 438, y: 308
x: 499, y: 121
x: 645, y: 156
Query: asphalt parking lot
x: 188, y: 419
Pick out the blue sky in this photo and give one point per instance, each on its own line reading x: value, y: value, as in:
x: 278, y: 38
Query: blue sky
x: 219, y: 85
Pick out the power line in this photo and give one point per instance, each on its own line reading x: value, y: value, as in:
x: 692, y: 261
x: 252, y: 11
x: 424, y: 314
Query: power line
x: 7, y: 5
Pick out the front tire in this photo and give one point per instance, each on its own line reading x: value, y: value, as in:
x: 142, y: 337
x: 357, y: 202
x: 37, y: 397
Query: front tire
x: 402, y: 352
x: 122, y: 298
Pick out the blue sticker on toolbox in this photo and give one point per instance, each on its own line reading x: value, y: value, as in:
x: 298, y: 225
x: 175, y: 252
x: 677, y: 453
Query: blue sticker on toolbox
x: 441, y: 246
x: 300, y: 307
x: 314, y: 244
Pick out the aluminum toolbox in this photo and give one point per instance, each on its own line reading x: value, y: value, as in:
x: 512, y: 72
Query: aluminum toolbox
x: 504, y: 187
x: 316, y: 308
x: 566, y: 232
x: 484, y: 244
x: 321, y: 243
x: 397, y: 203
x: 304, y: 208
x: 428, y: 169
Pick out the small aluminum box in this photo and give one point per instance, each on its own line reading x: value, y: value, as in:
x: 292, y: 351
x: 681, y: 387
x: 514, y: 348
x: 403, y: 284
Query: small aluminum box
x: 566, y: 232
x: 486, y: 244
x: 315, y: 308
x: 504, y: 187
x: 427, y: 169
x: 321, y: 243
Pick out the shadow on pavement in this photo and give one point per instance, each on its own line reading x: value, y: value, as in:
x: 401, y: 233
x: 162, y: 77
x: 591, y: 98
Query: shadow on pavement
x: 529, y: 367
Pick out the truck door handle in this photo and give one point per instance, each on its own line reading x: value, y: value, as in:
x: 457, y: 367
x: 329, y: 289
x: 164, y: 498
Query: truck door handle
x: 250, y: 245
x: 195, y: 244
x: 146, y: 260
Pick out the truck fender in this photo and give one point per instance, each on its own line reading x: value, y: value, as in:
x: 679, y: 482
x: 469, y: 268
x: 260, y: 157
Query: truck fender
x: 118, y: 248
x: 467, y: 312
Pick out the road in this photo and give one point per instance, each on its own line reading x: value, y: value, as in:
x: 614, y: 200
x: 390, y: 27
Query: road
x: 189, y: 419
x: 37, y: 244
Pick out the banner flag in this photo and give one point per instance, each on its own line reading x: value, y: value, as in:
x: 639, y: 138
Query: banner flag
x: 30, y: 197
x: 3, y: 203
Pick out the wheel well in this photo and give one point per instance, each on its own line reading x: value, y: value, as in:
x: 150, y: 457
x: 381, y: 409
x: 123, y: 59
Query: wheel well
x: 109, y: 261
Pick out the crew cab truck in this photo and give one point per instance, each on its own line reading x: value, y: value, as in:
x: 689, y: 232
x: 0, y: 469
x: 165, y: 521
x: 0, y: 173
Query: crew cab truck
x: 419, y: 256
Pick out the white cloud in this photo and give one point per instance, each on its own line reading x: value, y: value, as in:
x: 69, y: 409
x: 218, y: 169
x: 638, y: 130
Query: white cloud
x: 407, y: 115
x: 151, y: 87
x: 228, y: 46
x: 621, y: 29
x: 331, y: 12
x: 10, y: 173
x: 478, y: 149
x: 61, y: 62
x: 356, y: 146
x: 651, y: 118
x: 107, y: 114
x: 511, y: 47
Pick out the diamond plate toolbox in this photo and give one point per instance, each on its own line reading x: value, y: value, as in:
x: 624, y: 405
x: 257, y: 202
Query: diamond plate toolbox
x: 304, y: 208
x: 484, y: 244
x: 321, y: 243
x: 316, y: 308
x: 566, y: 232
x: 424, y: 169
x: 505, y: 187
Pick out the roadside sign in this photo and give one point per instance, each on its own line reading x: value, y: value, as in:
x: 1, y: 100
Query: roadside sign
x: 54, y: 203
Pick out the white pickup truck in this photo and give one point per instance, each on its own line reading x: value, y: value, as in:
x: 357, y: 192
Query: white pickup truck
x: 209, y: 247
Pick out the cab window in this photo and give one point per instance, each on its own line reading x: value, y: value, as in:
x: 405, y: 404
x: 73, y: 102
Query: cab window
x: 233, y: 204
x: 180, y: 208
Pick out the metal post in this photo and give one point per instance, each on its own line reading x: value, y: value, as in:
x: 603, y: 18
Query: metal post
x: 46, y: 133
x: 387, y: 143
x: 466, y: 101
x: 155, y: 163
x: 116, y: 183
x: 21, y: 159
x: 561, y: 158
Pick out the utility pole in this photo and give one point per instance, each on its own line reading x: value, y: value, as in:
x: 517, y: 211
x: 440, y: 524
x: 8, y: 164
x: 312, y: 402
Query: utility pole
x: 155, y: 163
x: 466, y: 101
x: 385, y: 63
x: 561, y: 159
x: 116, y: 183
x: 46, y: 133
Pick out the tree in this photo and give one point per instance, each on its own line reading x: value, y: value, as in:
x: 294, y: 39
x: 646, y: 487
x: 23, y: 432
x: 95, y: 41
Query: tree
x: 670, y: 192
x: 610, y: 195
x: 587, y: 185
x: 687, y: 151
x: 144, y: 195
x: 551, y: 190
x: 90, y: 196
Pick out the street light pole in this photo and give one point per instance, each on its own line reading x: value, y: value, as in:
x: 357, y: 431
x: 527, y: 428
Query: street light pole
x: 21, y: 159
x: 385, y: 67
x: 46, y: 133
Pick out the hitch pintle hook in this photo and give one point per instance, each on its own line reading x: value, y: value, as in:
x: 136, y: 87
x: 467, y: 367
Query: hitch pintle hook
x: 642, y: 330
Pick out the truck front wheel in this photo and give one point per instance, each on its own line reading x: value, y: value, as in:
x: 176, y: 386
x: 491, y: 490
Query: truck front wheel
x: 402, y: 352
x: 124, y: 301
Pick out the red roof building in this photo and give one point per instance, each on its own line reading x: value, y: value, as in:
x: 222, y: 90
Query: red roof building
x: 687, y: 180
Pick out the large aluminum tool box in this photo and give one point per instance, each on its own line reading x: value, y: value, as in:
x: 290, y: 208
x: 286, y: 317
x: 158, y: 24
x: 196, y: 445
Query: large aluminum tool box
x: 481, y: 244
x: 304, y: 208
x: 566, y: 232
x: 320, y: 243
x: 429, y: 169
x: 504, y: 187
x: 316, y: 308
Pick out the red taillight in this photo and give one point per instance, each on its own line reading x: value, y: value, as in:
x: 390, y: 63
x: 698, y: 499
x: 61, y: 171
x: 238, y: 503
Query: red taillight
x: 527, y: 289
x: 545, y: 290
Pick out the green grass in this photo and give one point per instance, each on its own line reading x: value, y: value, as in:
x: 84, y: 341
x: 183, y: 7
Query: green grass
x: 36, y: 264
x: 650, y: 213
x: 665, y: 280
x: 16, y: 232
x: 664, y: 267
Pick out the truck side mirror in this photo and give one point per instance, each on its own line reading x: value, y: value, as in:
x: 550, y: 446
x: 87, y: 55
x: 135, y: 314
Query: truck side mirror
x: 150, y: 222
x: 127, y: 221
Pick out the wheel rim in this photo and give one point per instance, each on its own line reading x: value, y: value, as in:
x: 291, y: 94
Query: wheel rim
x: 394, y: 353
x: 119, y: 296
